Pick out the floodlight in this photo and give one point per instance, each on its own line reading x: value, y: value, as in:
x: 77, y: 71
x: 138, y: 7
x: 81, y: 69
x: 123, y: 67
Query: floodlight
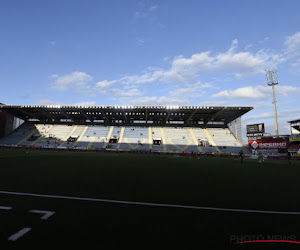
x: 272, y: 80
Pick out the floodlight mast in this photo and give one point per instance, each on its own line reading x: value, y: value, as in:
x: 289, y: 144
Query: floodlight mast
x: 272, y: 80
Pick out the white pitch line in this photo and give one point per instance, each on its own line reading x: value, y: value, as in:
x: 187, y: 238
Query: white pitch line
x: 19, y: 234
x: 5, y: 208
x: 46, y: 214
x: 151, y: 204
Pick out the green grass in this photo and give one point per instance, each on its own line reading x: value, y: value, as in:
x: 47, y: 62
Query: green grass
x: 184, y: 180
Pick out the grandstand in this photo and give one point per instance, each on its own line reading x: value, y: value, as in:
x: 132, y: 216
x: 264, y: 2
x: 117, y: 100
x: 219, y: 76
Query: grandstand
x: 294, y: 146
x: 192, y: 129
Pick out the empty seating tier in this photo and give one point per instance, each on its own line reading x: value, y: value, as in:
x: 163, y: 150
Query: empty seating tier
x: 162, y: 139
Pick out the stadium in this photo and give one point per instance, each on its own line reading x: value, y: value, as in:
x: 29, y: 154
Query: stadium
x: 149, y: 124
x: 130, y: 128
x: 121, y: 176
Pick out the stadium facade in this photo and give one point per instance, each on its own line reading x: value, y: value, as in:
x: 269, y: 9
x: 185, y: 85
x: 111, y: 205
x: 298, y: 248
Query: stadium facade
x: 202, y: 129
x: 294, y: 146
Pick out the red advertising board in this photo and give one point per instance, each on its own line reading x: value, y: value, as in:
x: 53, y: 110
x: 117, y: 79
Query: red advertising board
x: 269, y: 144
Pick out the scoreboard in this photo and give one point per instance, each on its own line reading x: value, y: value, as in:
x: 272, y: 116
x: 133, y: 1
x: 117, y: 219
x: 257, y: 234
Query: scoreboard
x: 255, y: 129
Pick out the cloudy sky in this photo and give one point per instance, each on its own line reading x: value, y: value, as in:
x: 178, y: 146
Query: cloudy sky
x: 150, y: 52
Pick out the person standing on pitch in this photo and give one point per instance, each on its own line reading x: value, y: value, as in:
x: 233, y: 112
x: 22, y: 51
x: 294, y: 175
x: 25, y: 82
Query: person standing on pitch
x: 241, y: 155
x: 289, y: 157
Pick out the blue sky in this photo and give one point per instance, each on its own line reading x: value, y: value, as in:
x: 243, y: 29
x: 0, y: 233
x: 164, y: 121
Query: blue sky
x: 140, y: 52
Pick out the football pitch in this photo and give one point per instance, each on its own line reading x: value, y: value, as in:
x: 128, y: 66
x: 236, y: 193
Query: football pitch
x: 61, y: 199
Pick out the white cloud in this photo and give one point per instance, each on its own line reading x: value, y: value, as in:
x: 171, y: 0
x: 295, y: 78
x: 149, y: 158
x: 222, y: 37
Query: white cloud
x: 182, y: 70
x: 51, y: 102
x: 222, y: 102
x: 116, y: 92
x: 234, y: 45
x: 249, y: 92
x: 292, y: 50
x: 259, y: 117
x: 144, y: 10
x: 75, y: 80
x: 262, y: 105
x: 123, y: 93
x: 48, y: 102
x: 296, y: 65
x: 288, y: 113
x: 247, y: 47
x: 264, y: 40
x: 191, y: 91
x: 245, y: 63
x: 140, y: 42
x: 104, y: 84
x: 242, y: 63
x: 292, y: 44
x: 186, y: 69
x: 286, y: 90
x: 156, y: 100
x: 153, y: 7
x: 88, y: 103
x: 148, y: 77
x: 256, y: 92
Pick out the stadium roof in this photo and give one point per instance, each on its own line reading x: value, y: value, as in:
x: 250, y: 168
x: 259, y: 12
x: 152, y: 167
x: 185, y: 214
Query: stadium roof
x: 129, y: 115
x: 294, y: 121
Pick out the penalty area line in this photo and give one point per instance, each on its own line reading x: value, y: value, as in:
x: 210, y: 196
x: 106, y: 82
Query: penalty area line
x: 5, y: 208
x: 19, y: 234
x: 150, y: 204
